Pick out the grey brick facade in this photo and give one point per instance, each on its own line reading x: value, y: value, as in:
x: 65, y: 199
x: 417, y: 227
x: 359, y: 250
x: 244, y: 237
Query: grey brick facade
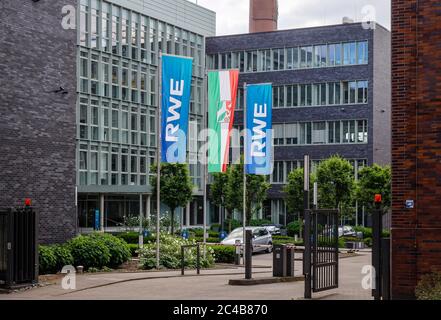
x: 37, y: 127
x: 376, y: 72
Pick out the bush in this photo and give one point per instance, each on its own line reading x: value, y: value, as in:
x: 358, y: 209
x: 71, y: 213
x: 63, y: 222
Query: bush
x: 89, y: 252
x: 170, y: 257
x: 132, y: 237
x: 429, y: 287
x: 118, y: 248
x: 259, y: 222
x: 209, y: 239
x: 133, y: 249
x: 234, y: 224
x: 368, y: 242
x: 216, y: 227
x: 224, y: 254
x: 286, y: 241
x: 293, y: 228
x: 53, y: 258
x: 47, y: 259
x: 63, y: 255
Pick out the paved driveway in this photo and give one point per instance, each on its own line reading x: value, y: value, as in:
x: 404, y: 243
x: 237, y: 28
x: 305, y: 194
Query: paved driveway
x: 211, y: 285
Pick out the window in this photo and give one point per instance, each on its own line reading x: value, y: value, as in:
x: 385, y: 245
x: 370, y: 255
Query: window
x: 278, y: 172
x: 305, y: 133
x: 362, y: 52
x: 362, y: 94
x: 291, y: 134
x: 319, y: 133
x: 278, y: 134
x: 352, y: 92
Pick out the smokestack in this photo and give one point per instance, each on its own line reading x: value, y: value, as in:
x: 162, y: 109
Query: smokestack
x: 263, y: 15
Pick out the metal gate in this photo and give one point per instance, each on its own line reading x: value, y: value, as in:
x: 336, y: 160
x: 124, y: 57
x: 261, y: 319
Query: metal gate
x: 321, y: 249
x: 18, y: 247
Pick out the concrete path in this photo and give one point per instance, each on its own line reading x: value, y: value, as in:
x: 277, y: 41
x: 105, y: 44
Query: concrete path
x: 210, y: 285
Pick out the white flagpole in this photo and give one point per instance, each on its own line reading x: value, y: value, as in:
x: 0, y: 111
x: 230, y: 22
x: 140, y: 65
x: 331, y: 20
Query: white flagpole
x: 205, y: 168
x: 244, y: 218
x: 158, y: 160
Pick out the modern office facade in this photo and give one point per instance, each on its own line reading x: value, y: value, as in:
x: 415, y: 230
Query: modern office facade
x: 331, y: 95
x: 118, y: 93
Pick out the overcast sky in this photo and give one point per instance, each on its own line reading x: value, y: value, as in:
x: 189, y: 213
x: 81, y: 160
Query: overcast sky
x: 232, y: 15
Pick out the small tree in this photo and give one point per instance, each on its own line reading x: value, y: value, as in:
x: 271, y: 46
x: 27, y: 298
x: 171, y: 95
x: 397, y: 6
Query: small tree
x: 218, y: 189
x: 294, y: 190
x: 371, y: 181
x: 335, y: 182
x: 256, y: 193
x: 176, y: 187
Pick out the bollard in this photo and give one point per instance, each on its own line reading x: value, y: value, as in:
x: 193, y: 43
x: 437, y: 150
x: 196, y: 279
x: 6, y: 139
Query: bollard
x: 237, y: 253
x: 248, y: 253
x: 198, y: 259
x: 182, y: 260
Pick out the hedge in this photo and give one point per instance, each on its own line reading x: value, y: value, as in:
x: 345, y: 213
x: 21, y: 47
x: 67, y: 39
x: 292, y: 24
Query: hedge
x: 429, y: 287
x: 53, y: 258
x: 132, y: 237
x: 259, y: 222
x: 118, y: 248
x: 224, y: 254
x: 133, y: 249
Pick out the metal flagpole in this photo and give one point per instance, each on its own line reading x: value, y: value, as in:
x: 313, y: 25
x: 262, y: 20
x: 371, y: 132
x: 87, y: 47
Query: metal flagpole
x: 244, y: 219
x: 205, y: 169
x: 158, y: 159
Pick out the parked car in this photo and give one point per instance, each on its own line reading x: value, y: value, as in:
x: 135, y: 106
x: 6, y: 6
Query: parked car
x: 261, y: 236
x: 343, y: 231
x: 274, y: 229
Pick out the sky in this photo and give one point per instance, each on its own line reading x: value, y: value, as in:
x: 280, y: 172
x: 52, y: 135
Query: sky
x: 232, y: 15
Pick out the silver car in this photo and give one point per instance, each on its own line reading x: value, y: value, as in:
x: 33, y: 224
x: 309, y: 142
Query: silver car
x: 262, y: 239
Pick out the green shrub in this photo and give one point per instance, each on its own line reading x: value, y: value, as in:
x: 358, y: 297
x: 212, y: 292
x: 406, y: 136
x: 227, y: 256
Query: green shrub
x: 282, y: 242
x: 209, y: 240
x: 89, y: 252
x: 224, y: 254
x: 118, y: 248
x: 133, y: 249
x: 63, y: 255
x: 429, y: 287
x: 234, y: 224
x: 368, y: 242
x: 259, y: 222
x: 133, y: 237
x: 276, y: 237
x: 47, y: 259
x: 216, y: 227
x: 170, y: 257
x: 293, y: 228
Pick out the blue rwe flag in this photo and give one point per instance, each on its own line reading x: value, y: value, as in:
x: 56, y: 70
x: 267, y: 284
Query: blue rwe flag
x: 176, y: 85
x: 259, y: 129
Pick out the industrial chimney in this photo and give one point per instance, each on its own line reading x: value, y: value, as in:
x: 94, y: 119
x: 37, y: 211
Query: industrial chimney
x: 263, y: 15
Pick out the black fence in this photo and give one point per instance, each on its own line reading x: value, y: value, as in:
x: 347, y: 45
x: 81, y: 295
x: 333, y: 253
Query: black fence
x: 18, y: 247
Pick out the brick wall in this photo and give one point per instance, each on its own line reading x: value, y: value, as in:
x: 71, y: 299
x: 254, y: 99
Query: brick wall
x: 37, y: 127
x: 416, y: 142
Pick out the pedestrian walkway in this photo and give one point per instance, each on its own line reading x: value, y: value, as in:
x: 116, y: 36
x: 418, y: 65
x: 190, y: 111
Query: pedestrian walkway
x: 212, y: 284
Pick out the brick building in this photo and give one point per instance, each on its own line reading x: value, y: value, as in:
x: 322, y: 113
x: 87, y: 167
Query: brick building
x: 416, y: 142
x: 37, y: 127
x: 331, y: 95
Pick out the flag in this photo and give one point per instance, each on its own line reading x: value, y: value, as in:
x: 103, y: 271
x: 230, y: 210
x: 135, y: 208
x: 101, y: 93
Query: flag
x: 176, y: 87
x: 259, y: 129
x: 222, y: 96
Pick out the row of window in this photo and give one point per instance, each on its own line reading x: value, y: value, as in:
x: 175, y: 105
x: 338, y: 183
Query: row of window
x: 122, y: 32
x: 321, y: 132
x: 109, y: 164
x: 312, y: 56
x: 282, y: 169
x: 126, y: 80
x: 316, y: 94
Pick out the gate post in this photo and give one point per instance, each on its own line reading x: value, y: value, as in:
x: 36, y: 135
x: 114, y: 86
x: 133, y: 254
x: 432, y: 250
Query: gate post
x: 377, y: 229
x: 307, y: 230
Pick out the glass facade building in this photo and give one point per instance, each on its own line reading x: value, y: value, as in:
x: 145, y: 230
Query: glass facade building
x: 118, y: 55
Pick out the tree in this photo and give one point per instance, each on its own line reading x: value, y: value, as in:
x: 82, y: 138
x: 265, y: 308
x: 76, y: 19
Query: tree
x: 371, y: 181
x: 256, y: 193
x: 294, y: 190
x: 176, y: 187
x: 335, y: 182
x: 218, y: 190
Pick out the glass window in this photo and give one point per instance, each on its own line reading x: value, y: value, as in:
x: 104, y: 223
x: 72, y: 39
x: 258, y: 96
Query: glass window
x: 345, y: 92
x: 278, y: 134
x: 289, y: 61
x: 278, y: 172
x: 319, y: 133
x: 276, y: 59
x: 338, y: 49
x: 331, y: 96
x: 352, y: 91
x: 331, y: 55
x: 291, y: 137
x: 83, y: 160
x: 362, y: 52
x: 346, y: 53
